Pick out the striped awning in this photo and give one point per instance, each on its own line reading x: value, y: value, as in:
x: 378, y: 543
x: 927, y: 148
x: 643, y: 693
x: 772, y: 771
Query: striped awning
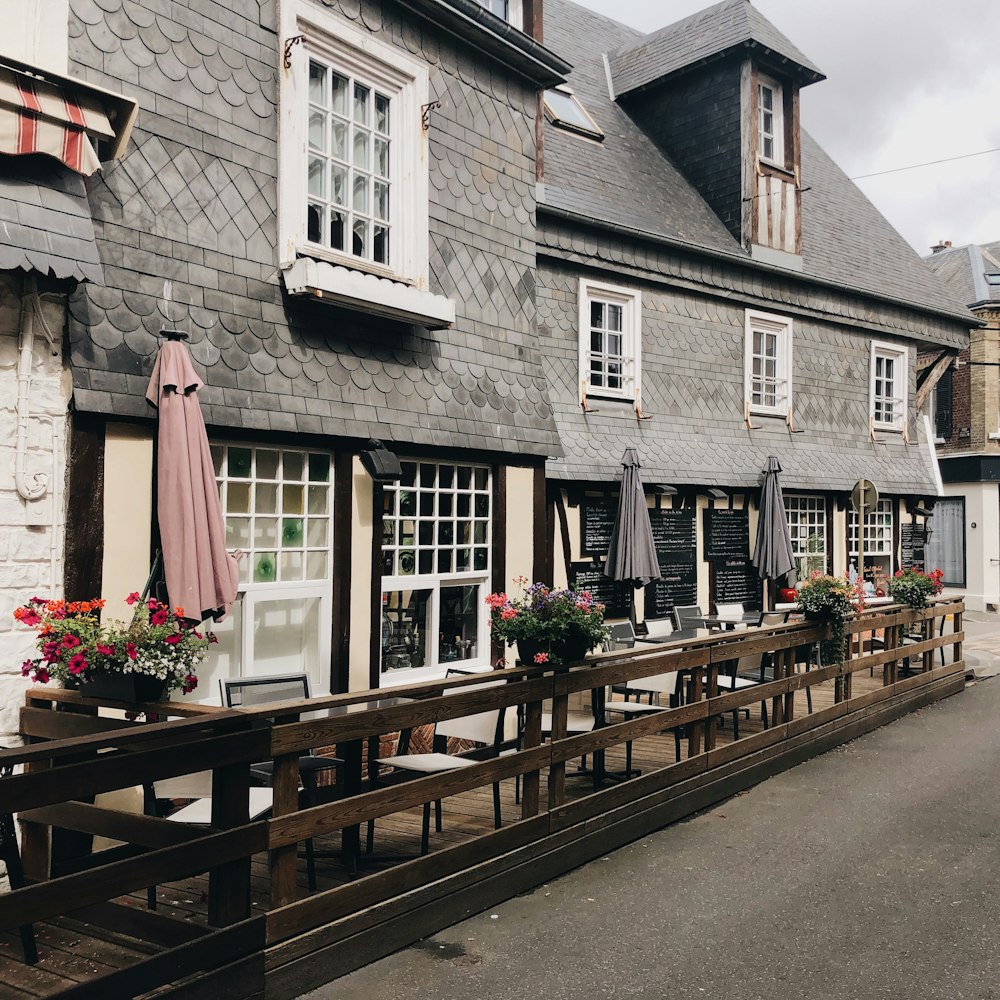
x: 60, y: 119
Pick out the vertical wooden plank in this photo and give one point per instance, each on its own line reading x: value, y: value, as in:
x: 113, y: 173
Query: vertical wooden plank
x: 84, y: 536
x: 229, y: 884
x: 788, y: 230
x: 956, y: 647
x: 711, y: 691
x: 694, y: 695
x: 775, y: 203
x: 786, y: 657
x: 557, y: 771
x: 531, y: 780
x: 283, y: 859
x: 891, y: 634
x: 543, y: 529
x: 340, y: 644
x: 748, y: 153
x: 762, y: 202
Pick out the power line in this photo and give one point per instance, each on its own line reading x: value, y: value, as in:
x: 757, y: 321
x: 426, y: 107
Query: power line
x: 930, y: 163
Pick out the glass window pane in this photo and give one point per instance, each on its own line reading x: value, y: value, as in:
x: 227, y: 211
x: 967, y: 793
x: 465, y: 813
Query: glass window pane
x: 597, y: 314
x: 317, y: 83
x: 266, y: 498
x: 265, y: 568
x: 339, y: 93
x: 265, y: 532
x: 405, y: 628
x: 291, y: 566
x: 338, y: 184
x: 319, y: 468
x: 237, y: 533
x: 317, y: 130
x: 238, y: 466
x: 614, y: 317
x: 359, y: 246
x: 317, y: 177
x: 337, y: 228
x: 380, y: 244
x: 381, y: 200
x: 338, y: 147
x: 292, y: 532
x: 382, y: 113
x: 316, y: 565
x: 360, y: 193
x: 362, y: 103
x: 382, y: 157
x: 314, y: 223
x: 319, y: 499
x: 360, y: 147
x: 267, y: 464
x: 238, y: 498
x: 291, y: 499
x: 459, y: 619
x: 292, y: 465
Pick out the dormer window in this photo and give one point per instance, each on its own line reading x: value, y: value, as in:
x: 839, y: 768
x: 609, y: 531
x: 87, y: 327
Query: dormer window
x: 506, y: 10
x: 770, y: 119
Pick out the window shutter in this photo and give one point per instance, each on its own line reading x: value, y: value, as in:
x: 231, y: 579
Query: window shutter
x: 942, y: 405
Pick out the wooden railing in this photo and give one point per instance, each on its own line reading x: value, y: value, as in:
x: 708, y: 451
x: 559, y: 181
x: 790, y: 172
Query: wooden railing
x: 75, y: 755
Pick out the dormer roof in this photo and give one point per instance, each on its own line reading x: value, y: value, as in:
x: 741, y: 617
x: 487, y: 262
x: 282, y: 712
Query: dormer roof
x: 710, y: 34
x: 971, y: 272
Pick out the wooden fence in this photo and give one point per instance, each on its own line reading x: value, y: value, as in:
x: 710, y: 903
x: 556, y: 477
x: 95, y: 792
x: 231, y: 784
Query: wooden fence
x: 296, y: 943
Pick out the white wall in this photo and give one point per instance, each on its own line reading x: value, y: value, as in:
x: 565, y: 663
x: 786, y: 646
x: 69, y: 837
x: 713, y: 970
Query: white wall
x: 31, y: 550
x: 982, y: 544
x: 36, y: 32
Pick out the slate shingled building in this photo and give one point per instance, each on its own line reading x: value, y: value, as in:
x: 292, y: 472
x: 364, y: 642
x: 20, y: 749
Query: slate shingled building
x: 714, y: 290
x: 370, y: 227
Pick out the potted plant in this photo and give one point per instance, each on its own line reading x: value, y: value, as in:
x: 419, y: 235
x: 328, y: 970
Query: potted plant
x: 549, y: 626
x: 913, y: 588
x: 139, y: 661
x: 828, y: 599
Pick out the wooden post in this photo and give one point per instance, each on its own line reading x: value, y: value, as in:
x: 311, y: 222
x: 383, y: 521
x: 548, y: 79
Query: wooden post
x: 711, y: 691
x: 694, y: 695
x: 956, y: 649
x: 560, y: 714
x: 286, y: 800
x: 229, y: 883
x: 890, y: 668
x: 531, y: 780
x: 786, y: 657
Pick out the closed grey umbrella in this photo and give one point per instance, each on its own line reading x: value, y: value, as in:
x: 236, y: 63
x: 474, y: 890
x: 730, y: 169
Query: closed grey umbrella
x: 631, y: 553
x: 202, y: 577
x: 772, y: 554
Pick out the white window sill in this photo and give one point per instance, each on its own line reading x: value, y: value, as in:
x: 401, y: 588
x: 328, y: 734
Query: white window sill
x: 369, y: 293
x: 995, y: 436
x: 889, y: 428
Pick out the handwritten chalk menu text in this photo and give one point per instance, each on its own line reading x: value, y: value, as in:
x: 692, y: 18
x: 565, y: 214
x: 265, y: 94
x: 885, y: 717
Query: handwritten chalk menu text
x: 675, y: 539
x: 736, y: 582
x: 597, y: 521
x: 613, y: 595
x: 727, y: 534
x: 912, y: 538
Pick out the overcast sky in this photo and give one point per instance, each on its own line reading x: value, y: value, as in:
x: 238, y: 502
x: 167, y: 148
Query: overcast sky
x: 908, y: 81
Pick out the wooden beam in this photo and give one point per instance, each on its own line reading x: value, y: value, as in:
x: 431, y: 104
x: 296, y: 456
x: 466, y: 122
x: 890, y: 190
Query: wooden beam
x: 932, y: 377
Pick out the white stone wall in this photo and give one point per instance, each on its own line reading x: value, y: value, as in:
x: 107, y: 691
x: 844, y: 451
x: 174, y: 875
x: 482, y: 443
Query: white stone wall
x: 28, y: 563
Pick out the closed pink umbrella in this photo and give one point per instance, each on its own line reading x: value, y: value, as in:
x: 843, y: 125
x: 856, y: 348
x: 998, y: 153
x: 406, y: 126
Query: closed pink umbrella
x: 201, y: 576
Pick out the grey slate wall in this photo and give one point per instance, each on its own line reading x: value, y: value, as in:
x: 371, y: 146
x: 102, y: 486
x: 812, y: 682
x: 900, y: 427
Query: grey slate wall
x: 187, y: 231
x: 696, y: 121
x: 692, y: 385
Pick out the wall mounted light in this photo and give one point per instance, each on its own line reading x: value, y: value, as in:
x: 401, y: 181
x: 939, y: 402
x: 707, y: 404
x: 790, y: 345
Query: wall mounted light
x: 380, y: 463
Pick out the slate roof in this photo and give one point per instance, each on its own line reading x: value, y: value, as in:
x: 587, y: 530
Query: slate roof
x: 45, y: 221
x: 708, y: 33
x: 628, y: 181
x: 964, y: 270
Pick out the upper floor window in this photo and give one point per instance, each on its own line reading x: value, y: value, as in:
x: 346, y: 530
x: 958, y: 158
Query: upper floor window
x: 507, y: 10
x: 350, y: 123
x: 353, y: 189
x: 563, y: 109
x: 768, y: 363
x: 610, y: 340
x: 888, y: 387
x: 770, y: 121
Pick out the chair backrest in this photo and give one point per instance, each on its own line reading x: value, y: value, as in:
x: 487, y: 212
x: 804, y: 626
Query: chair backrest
x: 729, y: 611
x: 240, y: 692
x: 621, y: 636
x: 659, y: 626
x: 685, y: 615
x: 484, y: 728
x: 658, y: 683
x: 774, y: 618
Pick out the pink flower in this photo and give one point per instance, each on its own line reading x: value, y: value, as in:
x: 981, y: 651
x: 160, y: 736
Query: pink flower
x: 28, y: 616
x: 496, y: 600
x: 41, y: 676
x: 70, y: 641
x: 131, y: 650
x: 507, y: 614
x: 152, y: 604
x: 190, y: 683
x: 132, y: 598
x: 172, y: 640
x: 159, y: 618
x: 541, y: 657
x: 78, y: 664
x: 27, y: 667
x: 105, y: 650
x: 50, y: 651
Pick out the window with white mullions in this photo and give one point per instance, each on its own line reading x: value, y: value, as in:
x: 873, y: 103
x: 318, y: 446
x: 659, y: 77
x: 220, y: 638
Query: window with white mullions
x: 349, y: 164
x: 610, y: 340
x: 806, y: 517
x: 768, y: 363
x: 498, y: 7
x: 888, y: 387
x: 770, y: 120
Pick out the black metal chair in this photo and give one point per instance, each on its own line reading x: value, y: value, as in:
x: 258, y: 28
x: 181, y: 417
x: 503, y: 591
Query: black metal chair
x: 687, y: 616
x: 10, y: 854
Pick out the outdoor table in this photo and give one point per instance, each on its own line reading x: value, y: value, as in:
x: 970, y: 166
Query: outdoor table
x: 749, y: 618
x: 351, y: 753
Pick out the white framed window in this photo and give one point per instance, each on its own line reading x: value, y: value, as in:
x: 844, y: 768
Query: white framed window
x: 878, y: 535
x: 610, y: 340
x: 510, y: 11
x: 353, y: 169
x: 278, y: 508
x: 807, y: 525
x: 768, y: 363
x: 770, y: 121
x: 436, y: 544
x: 888, y: 387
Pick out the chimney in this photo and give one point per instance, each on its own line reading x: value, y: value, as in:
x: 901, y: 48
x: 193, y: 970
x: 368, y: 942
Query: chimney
x: 943, y: 245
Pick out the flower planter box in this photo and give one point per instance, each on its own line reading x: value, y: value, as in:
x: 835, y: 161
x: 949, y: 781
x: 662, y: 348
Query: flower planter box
x: 132, y: 688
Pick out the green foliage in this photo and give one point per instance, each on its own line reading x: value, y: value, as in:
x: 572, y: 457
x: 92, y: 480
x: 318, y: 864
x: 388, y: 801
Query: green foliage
x: 913, y: 588
x: 828, y: 599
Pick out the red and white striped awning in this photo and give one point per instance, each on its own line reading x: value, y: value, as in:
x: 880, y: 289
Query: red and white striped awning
x: 59, y: 119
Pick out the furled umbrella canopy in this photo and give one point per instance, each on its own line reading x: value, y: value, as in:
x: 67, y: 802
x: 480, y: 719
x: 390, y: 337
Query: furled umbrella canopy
x: 201, y: 576
x: 773, y: 552
x: 632, y: 553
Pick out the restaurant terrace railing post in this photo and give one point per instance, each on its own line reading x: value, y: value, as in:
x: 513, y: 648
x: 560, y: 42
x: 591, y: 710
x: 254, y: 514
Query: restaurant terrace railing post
x: 956, y: 649
x: 560, y: 726
x: 229, y: 883
x: 283, y: 859
x: 711, y: 691
x: 531, y: 737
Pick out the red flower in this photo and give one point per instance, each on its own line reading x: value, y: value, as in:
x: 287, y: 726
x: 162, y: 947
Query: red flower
x: 78, y: 664
x: 507, y: 614
x: 41, y: 676
x: 70, y: 641
x: 172, y: 640
x: 190, y: 683
x: 27, y: 616
x: 105, y: 650
x: 50, y: 651
x: 131, y: 650
x: 159, y: 618
x: 27, y: 667
x: 132, y: 598
x: 541, y: 657
x: 213, y: 638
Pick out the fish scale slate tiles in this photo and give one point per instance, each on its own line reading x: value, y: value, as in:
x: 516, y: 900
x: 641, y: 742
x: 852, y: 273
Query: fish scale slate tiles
x: 187, y: 232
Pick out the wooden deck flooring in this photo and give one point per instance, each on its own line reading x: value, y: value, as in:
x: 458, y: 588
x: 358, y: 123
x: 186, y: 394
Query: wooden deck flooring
x: 72, y: 951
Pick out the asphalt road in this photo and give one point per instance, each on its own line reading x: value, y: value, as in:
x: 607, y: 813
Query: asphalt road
x: 869, y: 872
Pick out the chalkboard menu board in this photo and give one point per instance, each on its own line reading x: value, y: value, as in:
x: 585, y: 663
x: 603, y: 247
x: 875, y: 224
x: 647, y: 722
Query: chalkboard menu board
x: 737, y: 582
x: 727, y: 534
x: 597, y: 521
x: 615, y: 596
x: 675, y: 538
x: 912, y: 539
